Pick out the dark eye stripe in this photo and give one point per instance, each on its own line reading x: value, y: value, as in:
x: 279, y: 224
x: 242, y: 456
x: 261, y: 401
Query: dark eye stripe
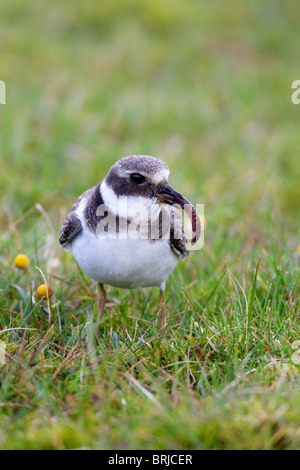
x: 137, y: 178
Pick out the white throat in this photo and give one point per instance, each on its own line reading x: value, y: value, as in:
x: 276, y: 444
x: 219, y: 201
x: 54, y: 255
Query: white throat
x: 124, y: 205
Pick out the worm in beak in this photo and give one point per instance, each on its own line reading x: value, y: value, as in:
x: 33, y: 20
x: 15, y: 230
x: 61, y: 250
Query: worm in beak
x: 168, y: 195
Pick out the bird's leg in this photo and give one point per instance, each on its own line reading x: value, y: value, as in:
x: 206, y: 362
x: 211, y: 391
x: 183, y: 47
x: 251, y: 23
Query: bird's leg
x: 101, y: 301
x: 162, y: 308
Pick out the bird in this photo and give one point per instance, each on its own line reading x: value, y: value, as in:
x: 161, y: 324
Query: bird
x: 127, y: 231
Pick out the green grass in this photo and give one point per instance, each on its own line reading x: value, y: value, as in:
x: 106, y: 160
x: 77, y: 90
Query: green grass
x: 207, y: 88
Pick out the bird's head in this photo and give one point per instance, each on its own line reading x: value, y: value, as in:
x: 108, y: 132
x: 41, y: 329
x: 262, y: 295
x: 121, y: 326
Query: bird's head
x: 142, y: 176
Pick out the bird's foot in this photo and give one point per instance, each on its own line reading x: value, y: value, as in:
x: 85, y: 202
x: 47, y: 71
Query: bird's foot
x: 162, y: 310
x: 101, y: 304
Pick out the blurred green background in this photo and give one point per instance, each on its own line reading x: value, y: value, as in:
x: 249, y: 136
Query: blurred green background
x: 204, y: 86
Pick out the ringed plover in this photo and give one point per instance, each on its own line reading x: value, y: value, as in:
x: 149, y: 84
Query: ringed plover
x: 127, y: 231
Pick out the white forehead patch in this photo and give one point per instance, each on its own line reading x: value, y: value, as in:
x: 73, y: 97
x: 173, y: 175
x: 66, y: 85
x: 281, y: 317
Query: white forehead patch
x: 161, y: 175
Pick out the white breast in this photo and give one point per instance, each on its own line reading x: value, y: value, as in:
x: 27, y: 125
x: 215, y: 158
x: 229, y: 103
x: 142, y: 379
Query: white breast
x: 124, y: 263
x: 120, y: 262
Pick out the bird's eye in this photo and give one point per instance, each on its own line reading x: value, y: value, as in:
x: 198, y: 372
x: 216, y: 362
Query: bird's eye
x: 137, y: 178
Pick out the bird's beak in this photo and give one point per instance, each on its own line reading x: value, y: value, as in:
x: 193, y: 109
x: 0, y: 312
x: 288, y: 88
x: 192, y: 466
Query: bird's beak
x: 168, y: 195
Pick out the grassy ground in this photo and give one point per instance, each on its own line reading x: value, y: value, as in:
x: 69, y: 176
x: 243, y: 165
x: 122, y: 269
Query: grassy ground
x: 206, y: 87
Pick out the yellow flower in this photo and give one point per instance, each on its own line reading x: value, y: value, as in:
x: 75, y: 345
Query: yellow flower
x: 44, y: 292
x: 202, y: 220
x: 298, y: 248
x: 21, y: 261
x: 188, y: 226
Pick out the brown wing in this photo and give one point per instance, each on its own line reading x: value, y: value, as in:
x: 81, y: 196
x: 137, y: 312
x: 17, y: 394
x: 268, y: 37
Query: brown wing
x: 70, y: 228
x: 72, y: 225
x: 179, y: 246
x: 178, y: 240
x: 174, y: 227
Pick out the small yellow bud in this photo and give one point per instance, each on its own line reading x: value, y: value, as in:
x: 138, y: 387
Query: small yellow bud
x: 298, y: 248
x: 202, y: 221
x: 188, y: 226
x: 21, y: 261
x: 44, y: 292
